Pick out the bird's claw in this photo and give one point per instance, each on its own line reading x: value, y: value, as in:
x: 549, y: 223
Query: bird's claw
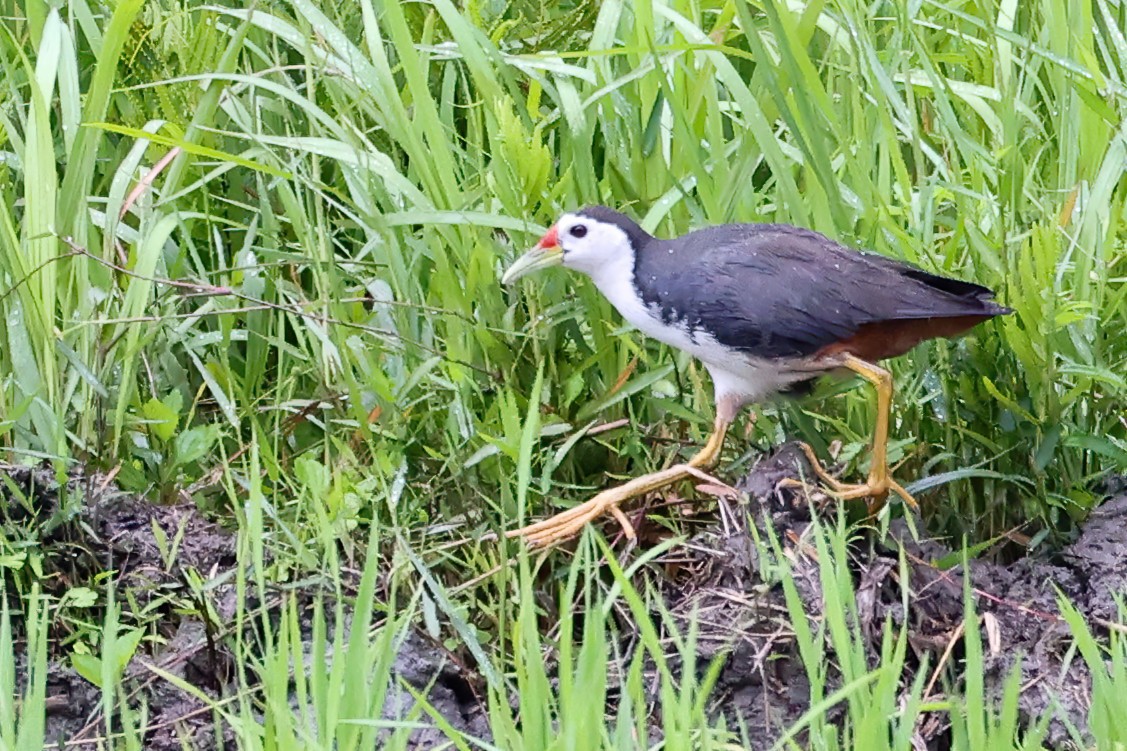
x: 571, y: 522
x: 875, y: 488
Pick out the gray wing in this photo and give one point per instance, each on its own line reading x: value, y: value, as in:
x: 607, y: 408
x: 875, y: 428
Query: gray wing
x: 781, y: 291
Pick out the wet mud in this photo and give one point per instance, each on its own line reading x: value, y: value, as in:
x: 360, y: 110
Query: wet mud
x: 171, y: 559
x: 85, y: 526
x: 743, y: 615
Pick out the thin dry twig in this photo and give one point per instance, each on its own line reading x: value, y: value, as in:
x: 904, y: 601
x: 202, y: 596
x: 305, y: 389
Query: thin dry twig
x: 194, y: 289
x: 146, y: 182
x: 956, y: 635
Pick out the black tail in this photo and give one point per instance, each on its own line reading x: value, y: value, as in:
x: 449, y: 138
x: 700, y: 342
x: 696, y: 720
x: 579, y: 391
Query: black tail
x: 983, y: 297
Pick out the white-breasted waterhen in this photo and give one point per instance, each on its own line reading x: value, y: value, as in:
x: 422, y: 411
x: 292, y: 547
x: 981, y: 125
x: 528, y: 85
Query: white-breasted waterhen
x: 764, y: 307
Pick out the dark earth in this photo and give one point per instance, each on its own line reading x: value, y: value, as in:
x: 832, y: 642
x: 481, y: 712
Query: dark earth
x: 87, y: 525
x: 763, y: 679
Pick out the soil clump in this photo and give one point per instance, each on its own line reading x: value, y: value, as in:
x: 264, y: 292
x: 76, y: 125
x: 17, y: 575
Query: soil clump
x: 743, y: 616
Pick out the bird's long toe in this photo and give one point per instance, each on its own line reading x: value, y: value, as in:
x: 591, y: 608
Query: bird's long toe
x: 570, y: 523
x: 818, y: 469
x: 875, y: 490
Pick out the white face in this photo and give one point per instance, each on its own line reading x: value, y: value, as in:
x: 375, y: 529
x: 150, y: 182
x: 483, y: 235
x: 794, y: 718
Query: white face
x: 593, y: 247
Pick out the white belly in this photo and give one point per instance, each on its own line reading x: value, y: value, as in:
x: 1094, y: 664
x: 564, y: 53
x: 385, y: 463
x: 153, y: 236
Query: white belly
x: 733, y: 374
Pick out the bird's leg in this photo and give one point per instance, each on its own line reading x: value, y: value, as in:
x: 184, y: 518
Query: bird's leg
x: 569, y: 523
x: 880, y: 481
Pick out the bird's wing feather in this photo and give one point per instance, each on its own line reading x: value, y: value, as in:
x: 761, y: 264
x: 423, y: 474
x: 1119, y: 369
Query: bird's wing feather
x: 780, y: 291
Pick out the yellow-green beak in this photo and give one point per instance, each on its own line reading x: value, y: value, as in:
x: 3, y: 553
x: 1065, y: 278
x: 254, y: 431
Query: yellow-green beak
x: 547, y: 253
x: 534, y: 260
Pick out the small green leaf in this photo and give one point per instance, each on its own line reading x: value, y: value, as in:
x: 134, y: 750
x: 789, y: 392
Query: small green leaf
x: 87, y: 666
x: 1009, y: 403
x: 314, y: 475
x: 127, y: 645
x: 955, y: 558
x: 653, y: 124
x: 1047, y: 449
x: 194, y: 443
x: 13, y: 560
x: 162, y: 417
x: 81, y: 597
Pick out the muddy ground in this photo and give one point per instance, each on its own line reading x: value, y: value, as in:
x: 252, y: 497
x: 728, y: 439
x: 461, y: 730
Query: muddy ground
x: 90, y: 526
x: 717, y: 575
x: 87, y: 526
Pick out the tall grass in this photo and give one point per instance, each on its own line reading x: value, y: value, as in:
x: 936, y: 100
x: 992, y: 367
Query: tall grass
x: 22, y: 706
x: 348, y: 183
x: 263, y: 245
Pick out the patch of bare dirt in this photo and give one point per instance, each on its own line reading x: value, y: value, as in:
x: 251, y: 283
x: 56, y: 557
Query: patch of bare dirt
x: 85, y: 526
x: 743, y: 617
x: 160, y: 556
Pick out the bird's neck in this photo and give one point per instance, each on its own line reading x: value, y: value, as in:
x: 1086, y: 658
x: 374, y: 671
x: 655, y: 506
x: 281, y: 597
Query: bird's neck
x: 615, y: 279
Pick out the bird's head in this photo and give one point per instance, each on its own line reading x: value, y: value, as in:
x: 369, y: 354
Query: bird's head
x: 592, y: 241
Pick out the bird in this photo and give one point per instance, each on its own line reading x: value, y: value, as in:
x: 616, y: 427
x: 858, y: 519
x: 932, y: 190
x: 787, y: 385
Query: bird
x: 766, y: 308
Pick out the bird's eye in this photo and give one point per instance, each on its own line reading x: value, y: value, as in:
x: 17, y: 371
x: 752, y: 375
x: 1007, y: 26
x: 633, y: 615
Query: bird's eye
x: 579, y: 230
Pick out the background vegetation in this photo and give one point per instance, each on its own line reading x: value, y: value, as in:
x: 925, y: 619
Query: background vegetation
x: 250, y: 257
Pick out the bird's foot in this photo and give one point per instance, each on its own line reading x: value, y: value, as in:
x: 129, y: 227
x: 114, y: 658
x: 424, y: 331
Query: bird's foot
x: 875, y: 488
x: 571, y: 522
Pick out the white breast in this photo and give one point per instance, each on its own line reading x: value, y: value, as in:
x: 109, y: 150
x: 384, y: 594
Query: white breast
x: 733, y: 374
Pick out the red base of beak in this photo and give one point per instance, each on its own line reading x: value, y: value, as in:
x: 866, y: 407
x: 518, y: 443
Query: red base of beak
x: 551, y: 238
